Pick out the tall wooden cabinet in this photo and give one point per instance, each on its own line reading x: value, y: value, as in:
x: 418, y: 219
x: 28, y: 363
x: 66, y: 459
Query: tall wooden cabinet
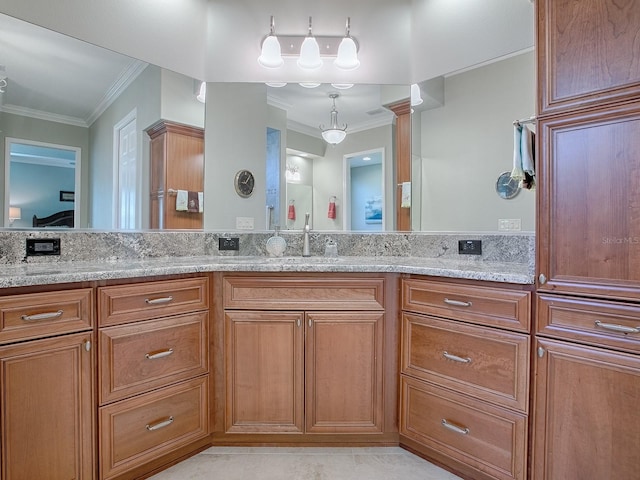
x: 176, y: 163
x: 587, y: 348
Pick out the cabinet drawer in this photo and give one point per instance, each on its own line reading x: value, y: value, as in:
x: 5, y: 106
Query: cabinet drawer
x: 484, y: 437
x: 597, y: 322
x: 487, y: 363
x: 138, y: 430
x: 142, y: 301
x: 482, y: 305
x: 279, y: 293
x: 138, y: 357
x: 33, y: 315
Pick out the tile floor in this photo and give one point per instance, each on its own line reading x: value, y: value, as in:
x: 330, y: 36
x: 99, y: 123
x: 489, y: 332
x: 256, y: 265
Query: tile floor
x: 304, y: 463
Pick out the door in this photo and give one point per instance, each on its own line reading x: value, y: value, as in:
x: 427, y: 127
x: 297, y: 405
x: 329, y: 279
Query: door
x: 586, y: 422
x: 47, y: 409
x: 264, y: 376
x: 364, y: 191
x: 343, y: 362
x: 126, y: 205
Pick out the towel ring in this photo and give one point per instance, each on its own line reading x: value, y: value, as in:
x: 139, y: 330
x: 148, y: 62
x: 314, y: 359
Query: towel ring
x: 291, y: 202
x: 333, y: 197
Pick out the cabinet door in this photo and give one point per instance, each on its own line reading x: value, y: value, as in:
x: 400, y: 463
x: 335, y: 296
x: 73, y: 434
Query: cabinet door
x: 589, y: 203
x: 264, y: 372
x: 343, y: 362
x: 588, y: 52
x: 586, y: 419
x: 47, y: 409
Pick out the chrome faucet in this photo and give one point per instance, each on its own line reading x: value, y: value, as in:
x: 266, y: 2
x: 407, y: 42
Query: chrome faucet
x: 306, y: 251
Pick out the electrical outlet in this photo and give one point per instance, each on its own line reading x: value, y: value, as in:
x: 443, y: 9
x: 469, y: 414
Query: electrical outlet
x: 244, y: 223
x: 229, y: 243
x: 470, y: 247
x: 509, y: 224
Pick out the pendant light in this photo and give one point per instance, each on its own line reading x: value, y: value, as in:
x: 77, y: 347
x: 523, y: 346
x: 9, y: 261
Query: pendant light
x: 347, y: 58
x: 310, y: 52
x: 271, y: 56
x: 416, y: 98
x: 202, y: 93
x: 334, y: 134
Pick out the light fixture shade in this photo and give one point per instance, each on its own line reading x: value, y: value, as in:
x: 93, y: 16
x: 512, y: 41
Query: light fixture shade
x: 342, y: 86
x: 271, y: 56
x: 416, y: 98
x: 202, y: 93
x: 15, y: 213
x: 276, y: 84
x: 347, y: 58
x: 309, y: 84
x: 310, y: 54
x: 334, y: 136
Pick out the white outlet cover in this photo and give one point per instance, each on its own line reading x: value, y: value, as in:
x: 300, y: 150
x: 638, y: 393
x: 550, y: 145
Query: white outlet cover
x: 244, y: 223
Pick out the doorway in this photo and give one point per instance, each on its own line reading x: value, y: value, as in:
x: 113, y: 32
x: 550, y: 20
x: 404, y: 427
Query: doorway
x: 364, y: 191
x: 127, y: 213
x: 41, y: 180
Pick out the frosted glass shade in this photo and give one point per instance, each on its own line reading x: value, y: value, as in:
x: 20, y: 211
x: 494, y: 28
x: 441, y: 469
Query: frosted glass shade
x: 347, y: 58
x: 271, y: 56
x: 309, y: 54
x: 416, y: 98
x: 15, y: 213
x: 334, y: 136
x: 202, y: 93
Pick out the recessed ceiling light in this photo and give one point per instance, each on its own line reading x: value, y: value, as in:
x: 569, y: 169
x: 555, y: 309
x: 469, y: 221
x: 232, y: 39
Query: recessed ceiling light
x: 366, y: 159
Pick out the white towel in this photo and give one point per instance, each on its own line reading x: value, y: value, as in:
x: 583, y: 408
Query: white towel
x: 517, y: 173
x: 182, y: 198
x: 526, y: 151
x: 406, y: 195
x: 200, y: 202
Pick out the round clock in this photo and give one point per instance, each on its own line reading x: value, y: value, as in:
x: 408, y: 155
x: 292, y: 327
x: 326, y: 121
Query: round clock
x: 244, y: 183
x: 507, y: 187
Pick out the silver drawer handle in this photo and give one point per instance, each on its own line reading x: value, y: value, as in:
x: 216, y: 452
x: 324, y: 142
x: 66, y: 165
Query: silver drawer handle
x: 158, y: 301
x: 617, y: 328
x: 160, y: 354
x: 455, y: 358
x: 162, y: 424
x: 457, y: 303
x: 42, y: 316
x: 455, y: 428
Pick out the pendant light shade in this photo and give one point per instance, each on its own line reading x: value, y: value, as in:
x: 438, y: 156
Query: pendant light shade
x: 271, y: 55
x: 202, y: 93
x: 309, y: 52
x: 416, y: 98
x: 334, y: 134
x: 347, y: 58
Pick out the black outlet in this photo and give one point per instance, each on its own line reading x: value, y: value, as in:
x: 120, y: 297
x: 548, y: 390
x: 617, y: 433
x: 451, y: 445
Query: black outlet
x: 470, y: 247
x: 43, y: 246
x: 229, y: 243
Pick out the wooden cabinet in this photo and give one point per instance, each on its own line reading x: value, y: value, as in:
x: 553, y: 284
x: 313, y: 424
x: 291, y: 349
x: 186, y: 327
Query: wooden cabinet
x: 586, y: 421
x: 310, y: 361
x: 465, y: 376
x: 47, y: 383
x: 587, y: 53
x: 154, y: 374
x: 176, y: 163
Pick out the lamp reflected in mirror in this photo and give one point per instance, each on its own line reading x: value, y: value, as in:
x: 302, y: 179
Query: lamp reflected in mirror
x: 15, y: 213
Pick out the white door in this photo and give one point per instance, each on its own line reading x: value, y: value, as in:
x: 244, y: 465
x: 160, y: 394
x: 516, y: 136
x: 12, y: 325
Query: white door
x: 127, y: 204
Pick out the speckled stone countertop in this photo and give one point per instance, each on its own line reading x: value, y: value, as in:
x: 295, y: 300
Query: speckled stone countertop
x: 27, y: 274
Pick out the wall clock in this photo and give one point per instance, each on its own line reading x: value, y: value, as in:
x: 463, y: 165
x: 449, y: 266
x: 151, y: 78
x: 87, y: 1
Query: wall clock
x: 244, y: 183
x: 507, y: 187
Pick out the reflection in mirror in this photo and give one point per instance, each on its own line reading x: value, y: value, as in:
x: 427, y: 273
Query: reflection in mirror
x: 364, y: 191
x: 462, y: 140
x: 62, y: 91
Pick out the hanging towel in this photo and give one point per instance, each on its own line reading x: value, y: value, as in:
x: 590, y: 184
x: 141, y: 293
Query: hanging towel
x: 526, y: 151
x: 406, y: 195
x: 200, y: 202
x: 332, y: 208
x: 517, y: 173
x: 182, y: 198
x: 291, y: 213
x: 193, y: 202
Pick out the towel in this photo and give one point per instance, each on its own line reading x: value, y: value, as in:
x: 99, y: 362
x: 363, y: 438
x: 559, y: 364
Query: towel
x: 332, y: 208
x: 200, y: 202
x: 193, y: 203
x: 182, y: 198
x: 406, y: 195
x: 526, y: 151
x: 291, y: 213
x: 517, y: 173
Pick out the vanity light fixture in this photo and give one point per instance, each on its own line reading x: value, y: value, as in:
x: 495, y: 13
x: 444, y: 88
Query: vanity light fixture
x: 309, y: 49
x: 202, y: 93
x: 342, y: 86
x: 276, y: 84
x: 334, y: 134
x: 309, y: 84
x: 416, y: 97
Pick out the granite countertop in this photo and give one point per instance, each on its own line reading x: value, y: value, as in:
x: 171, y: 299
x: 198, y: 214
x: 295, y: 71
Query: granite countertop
x: 27, y: 274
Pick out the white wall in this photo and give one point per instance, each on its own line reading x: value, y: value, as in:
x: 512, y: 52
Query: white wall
x: 468, y: 143
x: 178, y: 100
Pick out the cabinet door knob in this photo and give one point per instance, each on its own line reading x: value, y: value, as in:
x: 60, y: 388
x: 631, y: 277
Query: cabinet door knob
x: 542, y: 278
x: 540, y: 352
x: 87, y: 345
x: 158, y: 301
x: 455, y: 428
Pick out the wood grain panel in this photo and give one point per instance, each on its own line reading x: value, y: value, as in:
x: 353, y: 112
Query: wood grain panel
x: 495, y: 442
x: 23, y: 317
x: 586, y: 423
x: 402, y: 111
x: 587, y: 53
x: 132, y: 360
x: 589, y: 203
x: 485, y: 363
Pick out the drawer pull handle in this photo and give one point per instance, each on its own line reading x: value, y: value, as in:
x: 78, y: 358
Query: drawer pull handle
x: 159, y: 425
x: 455, y: 428
x: 617, y: 328
x: 158, y: 301
x: 42, y: 316
x: 455, y: 358
x: 457, y: 303
x: 159, y: 354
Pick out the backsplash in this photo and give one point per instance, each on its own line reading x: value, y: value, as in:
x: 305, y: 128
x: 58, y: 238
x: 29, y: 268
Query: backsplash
x: 114, y: 246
